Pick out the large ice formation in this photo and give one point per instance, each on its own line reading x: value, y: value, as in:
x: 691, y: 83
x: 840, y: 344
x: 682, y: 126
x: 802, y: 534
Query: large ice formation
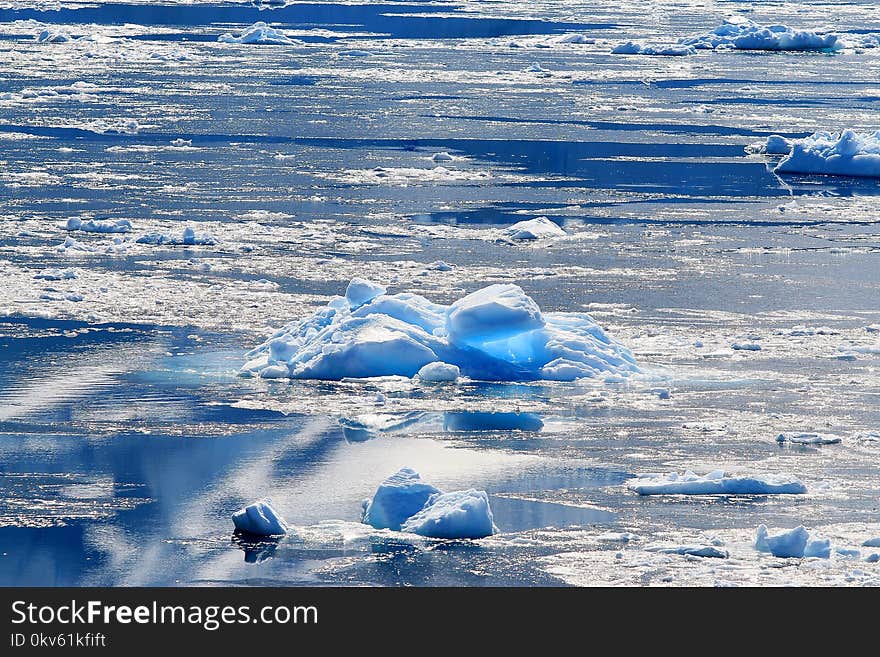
x: 496, y: 333
x: 846, y: 153
x: 259, y: 519
x: 718, y: 482
x: 746, y: 35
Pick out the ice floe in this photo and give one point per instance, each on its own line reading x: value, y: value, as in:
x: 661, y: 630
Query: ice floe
x: 93, y: 226
x: 796, y: 543
x: 259, y: 32
x: 846, y: 153
x: 56, y: 274
x: 189, y: 237
x: 808, y: 438
x: 496, y: 333
x: 53, y: 36
x: 634, y: 48
x: 439, y: 372
x: 399, y: 497
x: 71, y: 245
x: 259, y: 519
x: 717, y: 482
x: 710, y: 551
x: 459, y: 514
x: 534, y: 229
x: 442, y: 156
x: 746, y: 35
x: 774, y: 145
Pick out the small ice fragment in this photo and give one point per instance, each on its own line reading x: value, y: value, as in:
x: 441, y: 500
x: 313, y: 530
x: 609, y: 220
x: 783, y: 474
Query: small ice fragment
x: 746, y: 346
x: 361, y: 291
x: 442, y: 156
x: 534, y: 229
x: 399, y: 497
x: 787, y: 544
x: 439, y: 371
x: 872, y: 542
x: 460, y: 514
x: 808, y: 438
x: 260, y: 519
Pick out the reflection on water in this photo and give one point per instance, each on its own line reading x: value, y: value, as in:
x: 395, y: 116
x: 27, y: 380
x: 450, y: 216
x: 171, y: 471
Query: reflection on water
x: 139, y: 485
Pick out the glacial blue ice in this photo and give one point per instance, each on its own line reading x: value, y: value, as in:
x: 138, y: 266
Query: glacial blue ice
x: 259, y: 519
x: 189, y: 237
x: 459, y: 514
x: 399, y: 497
x: 495, y: 333
x: 808, y: 438
x: 796, y: 543
x: 717, y: 482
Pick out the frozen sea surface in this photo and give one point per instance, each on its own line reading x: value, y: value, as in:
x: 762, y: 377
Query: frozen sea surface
x: 127, y: 440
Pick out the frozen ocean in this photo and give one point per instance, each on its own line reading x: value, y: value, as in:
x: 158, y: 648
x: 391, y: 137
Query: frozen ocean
x: 450, y: 293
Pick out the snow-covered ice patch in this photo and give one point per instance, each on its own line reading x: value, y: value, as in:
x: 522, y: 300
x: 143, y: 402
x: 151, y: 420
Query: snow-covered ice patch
x: 259, y: 32
x: 259, y: 519
x: 534, y: 229
x: 746, y: 35
x: 634, y: 48
x: 56, y: 274
x: 846, y: 153
x: 496, y: 333
x: 189, y: 237
x: 93, y: 226
x: 717, y: 482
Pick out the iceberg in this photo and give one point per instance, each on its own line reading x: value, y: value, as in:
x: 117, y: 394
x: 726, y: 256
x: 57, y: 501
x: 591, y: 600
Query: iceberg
x: 460, y: 514
x: 774, y: 145
x: 442, y: 156
x: 497, y: 333
x: 746, y: 35
x: 399, y: 497
x: 796, y: 543
x: 92, y: 226
x: 259, y: 519
x: 718, y: 482
x: 534, y: 229
x: 439, y: 372
x: 846, y: 153
x: 633, y: 48
x: 53, y: 36
x: 259, y: 32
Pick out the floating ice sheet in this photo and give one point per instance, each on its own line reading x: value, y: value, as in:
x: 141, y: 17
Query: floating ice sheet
x: 718, y: 482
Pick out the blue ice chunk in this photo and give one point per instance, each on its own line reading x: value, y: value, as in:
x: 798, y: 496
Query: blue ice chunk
x: 259, y: 519
x: 400, y: 496
x: 460, y: 514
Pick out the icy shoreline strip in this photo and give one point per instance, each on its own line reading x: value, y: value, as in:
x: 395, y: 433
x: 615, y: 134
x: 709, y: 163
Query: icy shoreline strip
x: 718, y: 482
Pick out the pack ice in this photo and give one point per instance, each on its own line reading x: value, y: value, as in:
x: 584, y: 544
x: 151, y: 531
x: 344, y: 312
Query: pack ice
x: 846, y: 153
x: 259, y: 519
x: 746, y: 35
x: 717, y: 482
x: 497, y: 333
x: 404, y: 502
